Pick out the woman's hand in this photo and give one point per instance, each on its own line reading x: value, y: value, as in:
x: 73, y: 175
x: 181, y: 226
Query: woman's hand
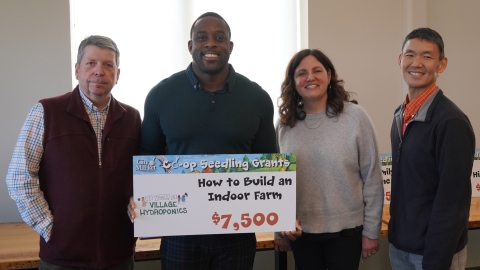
x: 369, y: 247
x: 293, y: 235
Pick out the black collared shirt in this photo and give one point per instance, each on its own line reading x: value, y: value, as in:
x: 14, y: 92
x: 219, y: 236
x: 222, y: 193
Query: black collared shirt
x: 179, y: 120
x: 192, y: 79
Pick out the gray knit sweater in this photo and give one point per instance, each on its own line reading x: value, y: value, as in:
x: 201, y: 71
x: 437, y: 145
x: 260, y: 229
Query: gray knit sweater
x: 339, y: 181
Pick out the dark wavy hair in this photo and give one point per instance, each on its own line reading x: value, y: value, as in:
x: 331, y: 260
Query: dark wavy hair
x: 288, y: 110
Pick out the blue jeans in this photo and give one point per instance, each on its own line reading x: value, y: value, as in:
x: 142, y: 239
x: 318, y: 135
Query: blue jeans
x: 401, y: 260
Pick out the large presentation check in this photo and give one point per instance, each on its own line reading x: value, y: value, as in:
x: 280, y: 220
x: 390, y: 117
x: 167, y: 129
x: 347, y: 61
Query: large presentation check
x: 214, y: 194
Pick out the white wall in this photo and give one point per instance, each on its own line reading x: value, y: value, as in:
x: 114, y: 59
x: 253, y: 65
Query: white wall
x: 459, y: 25
x: 363, y: 39
x: 34, y: 64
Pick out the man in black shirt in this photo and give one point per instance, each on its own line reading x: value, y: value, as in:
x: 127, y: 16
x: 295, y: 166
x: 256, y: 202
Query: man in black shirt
x: 208, y: 109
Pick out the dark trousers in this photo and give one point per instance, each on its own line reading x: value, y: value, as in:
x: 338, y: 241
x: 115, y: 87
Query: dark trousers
x: 338, y: 253
x: 202, y: 252
x: 125, y: 265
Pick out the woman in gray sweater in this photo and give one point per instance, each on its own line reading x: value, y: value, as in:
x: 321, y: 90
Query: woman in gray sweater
x: 339, y: 182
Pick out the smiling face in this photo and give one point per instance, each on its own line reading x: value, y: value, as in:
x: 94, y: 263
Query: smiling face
x: 311, y: 82
x: 210, y: 46
x: 97, y: 73
x: 420, y: 63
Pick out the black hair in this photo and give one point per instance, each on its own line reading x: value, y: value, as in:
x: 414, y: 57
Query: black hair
x: 427, y: 34
x: 211, y: 14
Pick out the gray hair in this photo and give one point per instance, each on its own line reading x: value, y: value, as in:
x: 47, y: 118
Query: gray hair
x: 101, y: 42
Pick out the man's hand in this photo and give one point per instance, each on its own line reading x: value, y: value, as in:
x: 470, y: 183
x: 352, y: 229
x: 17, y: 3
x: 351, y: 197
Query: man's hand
x: 131, y: 209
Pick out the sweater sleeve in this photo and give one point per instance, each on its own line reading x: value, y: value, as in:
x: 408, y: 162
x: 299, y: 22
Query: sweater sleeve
x: 371, y: 174
x: 455, y: 148
x: 153, y: 141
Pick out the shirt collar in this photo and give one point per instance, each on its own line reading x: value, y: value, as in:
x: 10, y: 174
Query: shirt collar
x: 89, y: 105
x: 192, y: 79
x: 412, y: 106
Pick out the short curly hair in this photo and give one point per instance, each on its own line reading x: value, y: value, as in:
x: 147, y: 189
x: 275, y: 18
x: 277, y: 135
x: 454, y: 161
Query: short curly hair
x: 211, y: 14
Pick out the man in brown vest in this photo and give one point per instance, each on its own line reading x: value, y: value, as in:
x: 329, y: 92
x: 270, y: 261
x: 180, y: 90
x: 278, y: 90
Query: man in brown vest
x: 71, y: 173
